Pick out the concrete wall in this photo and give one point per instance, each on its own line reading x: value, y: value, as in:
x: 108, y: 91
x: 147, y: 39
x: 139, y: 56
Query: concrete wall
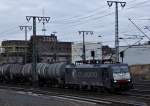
x: 139, y: 54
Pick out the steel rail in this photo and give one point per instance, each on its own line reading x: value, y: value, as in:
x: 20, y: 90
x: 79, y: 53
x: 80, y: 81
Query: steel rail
x: 106, y: 102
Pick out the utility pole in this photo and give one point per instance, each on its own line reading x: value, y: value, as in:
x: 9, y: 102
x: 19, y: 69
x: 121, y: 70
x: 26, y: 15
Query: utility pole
x: 83, y: 34
x: 116, y: 26
x: 34, y: 44
x: 26, y: 29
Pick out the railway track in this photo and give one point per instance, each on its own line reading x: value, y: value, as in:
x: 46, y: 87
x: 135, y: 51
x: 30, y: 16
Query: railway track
x: 138, y: 94
x: 142, y: 86
x: 144, y: 92
x: 143, y: 95
x: 142, y: 81
x: 101, y: 100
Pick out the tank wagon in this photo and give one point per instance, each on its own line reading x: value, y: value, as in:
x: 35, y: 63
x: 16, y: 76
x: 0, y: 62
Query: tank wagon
x: 87, y: 76
x: 52, y: 74
x: 9, y: 72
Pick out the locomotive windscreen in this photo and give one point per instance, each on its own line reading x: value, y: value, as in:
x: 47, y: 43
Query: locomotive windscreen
x: 120, y: 69
x: 120, y: 72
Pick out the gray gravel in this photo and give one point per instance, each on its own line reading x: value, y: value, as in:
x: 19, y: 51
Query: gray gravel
x: 17, y: 98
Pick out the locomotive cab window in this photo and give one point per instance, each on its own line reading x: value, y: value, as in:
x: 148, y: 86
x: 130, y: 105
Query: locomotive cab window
x: 120, y: 73
x: 121, y: 69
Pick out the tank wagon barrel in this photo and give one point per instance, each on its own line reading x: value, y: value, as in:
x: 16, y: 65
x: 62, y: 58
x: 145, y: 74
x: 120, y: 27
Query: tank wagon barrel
x: 27, y: 70
x: 1, y: 70
x: 56, y: 70
x: 15, y: 69
x: 51, y: 73
x: 6, y: 71
x: 42, y: 70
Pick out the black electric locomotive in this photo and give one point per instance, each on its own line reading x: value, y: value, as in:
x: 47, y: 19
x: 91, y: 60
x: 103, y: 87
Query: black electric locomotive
x: 107, y: 76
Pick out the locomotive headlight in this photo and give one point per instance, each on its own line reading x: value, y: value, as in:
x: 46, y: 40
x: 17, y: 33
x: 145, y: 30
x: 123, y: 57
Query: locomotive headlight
x: 127, y: 76
x: 116, y: 76
x: 115, y: 81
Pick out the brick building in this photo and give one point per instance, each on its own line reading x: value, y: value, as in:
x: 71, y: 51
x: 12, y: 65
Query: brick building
x: 49, y: 49
x: 13, y: 51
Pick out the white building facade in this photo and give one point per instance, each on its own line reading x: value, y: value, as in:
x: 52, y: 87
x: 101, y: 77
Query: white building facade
x: 77, y: 51
x: 2, y: 50
x: 137, y: 54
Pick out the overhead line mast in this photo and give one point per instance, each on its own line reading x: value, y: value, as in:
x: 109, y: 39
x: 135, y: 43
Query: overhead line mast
x: 43, y: 22
x: 110, y: 3
x: 34, y: 45
x: 83, y: 34
x: 26, y: 29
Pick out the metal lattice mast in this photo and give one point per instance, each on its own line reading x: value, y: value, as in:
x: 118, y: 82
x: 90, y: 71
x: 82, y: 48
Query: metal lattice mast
x: 83, y: 34
x: 34, y: 43
x: 43, y: 22
x: 26, y: 29
x: 116, y: 27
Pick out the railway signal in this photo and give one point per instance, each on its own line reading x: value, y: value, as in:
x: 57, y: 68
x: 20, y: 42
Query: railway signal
x: 122, y: 55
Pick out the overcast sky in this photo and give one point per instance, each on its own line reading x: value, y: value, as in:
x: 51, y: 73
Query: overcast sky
x: 70, y: 16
